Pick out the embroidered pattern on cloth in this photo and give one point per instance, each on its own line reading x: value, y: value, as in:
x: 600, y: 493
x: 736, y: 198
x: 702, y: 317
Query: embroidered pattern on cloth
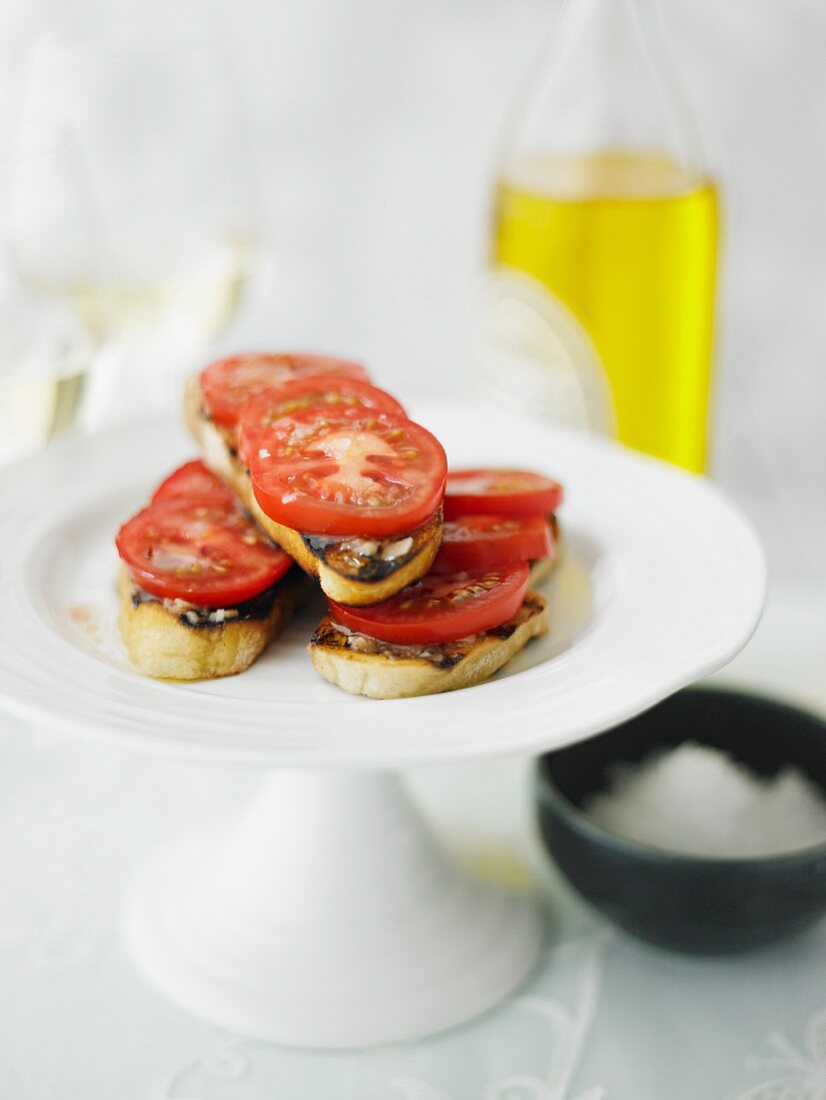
x: 559, y: 1025
x: 795, y: 1073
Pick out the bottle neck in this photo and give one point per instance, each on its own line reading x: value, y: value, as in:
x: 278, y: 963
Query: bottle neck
x: 615, y: 52
x: 603, y: 84
x: 613, y: 24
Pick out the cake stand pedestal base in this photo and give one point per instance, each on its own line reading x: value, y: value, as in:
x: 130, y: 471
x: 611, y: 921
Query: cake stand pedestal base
x: 327, y: 917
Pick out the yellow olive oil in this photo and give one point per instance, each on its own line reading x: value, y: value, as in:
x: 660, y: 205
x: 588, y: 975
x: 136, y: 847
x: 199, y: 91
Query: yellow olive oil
x: 628, y: 242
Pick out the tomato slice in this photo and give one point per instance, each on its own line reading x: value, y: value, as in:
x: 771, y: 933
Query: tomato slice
x: 500, y: 492
x: 471, y: 543
x: 332, y: 473
x: 200, y: 548
x: 228, y: 384
x: 441, y: 608
x: 332, y: 392
x: 194, y: 482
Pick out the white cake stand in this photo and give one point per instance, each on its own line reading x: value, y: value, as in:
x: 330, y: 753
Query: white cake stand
x: 327, y: 916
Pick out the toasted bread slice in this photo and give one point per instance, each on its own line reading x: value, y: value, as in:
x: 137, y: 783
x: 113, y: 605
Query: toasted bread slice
x: 351, y: 570
x: 366, y: 666
x: 174, y: 641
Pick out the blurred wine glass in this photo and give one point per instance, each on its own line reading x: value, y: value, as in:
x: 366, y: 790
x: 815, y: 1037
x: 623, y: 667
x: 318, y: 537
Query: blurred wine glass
x: 47, y: 229
x: 150, y: 92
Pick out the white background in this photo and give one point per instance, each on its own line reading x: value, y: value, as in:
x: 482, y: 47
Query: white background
x: 375, y: 122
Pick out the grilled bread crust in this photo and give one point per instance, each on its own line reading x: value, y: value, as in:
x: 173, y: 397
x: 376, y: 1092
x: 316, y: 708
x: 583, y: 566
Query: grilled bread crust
x: 351, y: 571
x: 163, y: 644
x: 398, y: 672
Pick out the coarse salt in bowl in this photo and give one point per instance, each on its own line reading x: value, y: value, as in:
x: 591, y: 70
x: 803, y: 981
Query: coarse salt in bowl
x: 697, y: 800
x: 700, y: 825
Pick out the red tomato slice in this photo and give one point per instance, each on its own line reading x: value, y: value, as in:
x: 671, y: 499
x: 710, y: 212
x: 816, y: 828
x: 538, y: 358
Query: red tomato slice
x: 338, y: 394
x: 483, y: 542
x: 204, y: 552
x: 194, y: 482
x: 330, y: 473
x: 228, y: 384
x: 500, y: 492
x: 441, y: 608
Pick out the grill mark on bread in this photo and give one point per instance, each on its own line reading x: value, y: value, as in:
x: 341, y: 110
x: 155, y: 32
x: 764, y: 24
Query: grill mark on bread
x: 161, y: 642
x: 531, y: 605
x: 256, y: 609
x: 371, y: 559
x: 359, y: 666
x: 441, y: 655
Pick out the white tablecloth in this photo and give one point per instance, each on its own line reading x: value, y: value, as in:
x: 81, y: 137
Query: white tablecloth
x: 604, y: 1016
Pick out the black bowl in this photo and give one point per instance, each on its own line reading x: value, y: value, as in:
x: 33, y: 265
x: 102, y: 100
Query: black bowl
x: 685, y: 903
